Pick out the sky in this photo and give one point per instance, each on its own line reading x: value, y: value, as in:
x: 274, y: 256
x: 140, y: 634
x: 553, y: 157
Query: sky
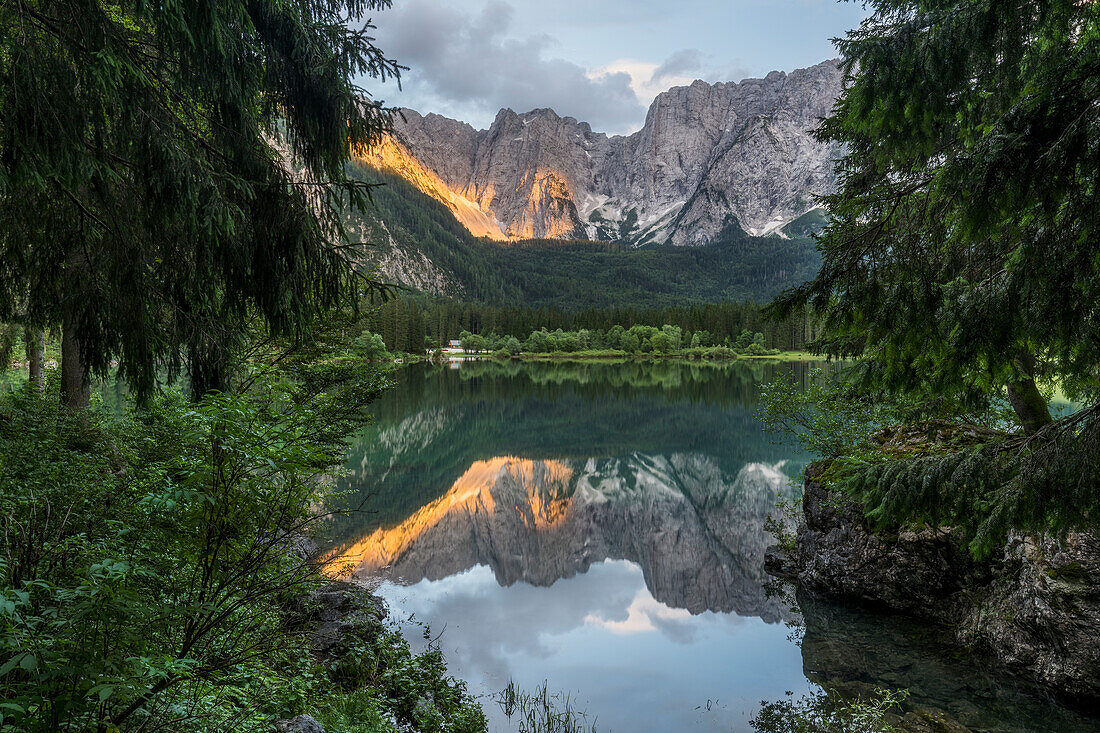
x: 600, y: 61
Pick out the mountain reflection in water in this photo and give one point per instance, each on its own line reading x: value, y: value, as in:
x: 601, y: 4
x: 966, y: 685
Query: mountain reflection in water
x: 696, y: 534
x: 601, y: 528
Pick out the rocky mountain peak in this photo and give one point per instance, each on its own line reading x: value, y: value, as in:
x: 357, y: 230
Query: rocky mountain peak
x: 707, y: 154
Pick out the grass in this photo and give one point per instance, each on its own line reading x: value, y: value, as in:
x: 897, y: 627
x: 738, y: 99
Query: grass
x: 543, y: 711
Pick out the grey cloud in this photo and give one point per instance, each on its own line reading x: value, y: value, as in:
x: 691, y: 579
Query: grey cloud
x: 683, y: 62
x: 463, y: 61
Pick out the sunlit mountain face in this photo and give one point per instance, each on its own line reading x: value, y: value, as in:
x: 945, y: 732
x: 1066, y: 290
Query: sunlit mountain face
x: 707, y: 156
x: 390, y: 155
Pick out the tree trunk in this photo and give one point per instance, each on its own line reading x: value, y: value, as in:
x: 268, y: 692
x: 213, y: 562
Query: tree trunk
x: 1025, y: 398
x: 36, y: 357
x: 75, y: 392
x: 207, y: 370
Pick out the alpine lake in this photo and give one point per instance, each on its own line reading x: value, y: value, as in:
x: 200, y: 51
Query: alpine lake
x: 599, y: 529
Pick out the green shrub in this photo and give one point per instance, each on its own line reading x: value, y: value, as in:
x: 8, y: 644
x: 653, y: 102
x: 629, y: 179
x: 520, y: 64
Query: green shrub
x: 149, y: 561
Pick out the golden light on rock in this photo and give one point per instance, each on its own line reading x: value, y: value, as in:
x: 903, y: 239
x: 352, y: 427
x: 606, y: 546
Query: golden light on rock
x: 390, y: 155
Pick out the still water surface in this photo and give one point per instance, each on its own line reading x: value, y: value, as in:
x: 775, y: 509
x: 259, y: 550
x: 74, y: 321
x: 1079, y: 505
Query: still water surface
x: 601, y: 528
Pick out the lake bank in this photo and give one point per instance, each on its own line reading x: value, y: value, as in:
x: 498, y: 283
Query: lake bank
x: 1032, y: 611
x: 613, y: 356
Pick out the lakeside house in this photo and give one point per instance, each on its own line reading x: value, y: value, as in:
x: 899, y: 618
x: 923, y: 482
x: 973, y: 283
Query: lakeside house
x: 454, y: 346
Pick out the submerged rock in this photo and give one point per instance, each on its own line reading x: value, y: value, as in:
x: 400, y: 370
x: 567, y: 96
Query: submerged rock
x: 1036, y: 611
x: 853, y: 653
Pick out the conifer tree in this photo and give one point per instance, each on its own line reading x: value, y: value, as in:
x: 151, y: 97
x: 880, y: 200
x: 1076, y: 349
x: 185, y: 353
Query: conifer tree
x: 169, y: 171
x: 961, y: 257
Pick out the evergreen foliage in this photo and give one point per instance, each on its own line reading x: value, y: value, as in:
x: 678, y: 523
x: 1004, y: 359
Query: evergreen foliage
x: 148, y: 203
x: 403, y: 322
x: 960, y: 261
x: 908, y: 466
x: 668, y: 340
x: 961, y: 253
x: 1041, y: 483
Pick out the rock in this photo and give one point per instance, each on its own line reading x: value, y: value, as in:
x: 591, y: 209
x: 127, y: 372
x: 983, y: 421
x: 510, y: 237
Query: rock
x: 300, y: 724
x: 852, y: 653
x: 341, y: 612
x: 917, y: 572
x: 1036, y: 612
x: 780, y: 563
x: 706, y: 153
x: 301, y: 546
x: 1041, y: 617
x: 425, y: 706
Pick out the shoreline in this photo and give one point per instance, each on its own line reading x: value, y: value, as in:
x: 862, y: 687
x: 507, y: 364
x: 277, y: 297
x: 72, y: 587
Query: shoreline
x: 610, y: 357
x: 1033, y: 611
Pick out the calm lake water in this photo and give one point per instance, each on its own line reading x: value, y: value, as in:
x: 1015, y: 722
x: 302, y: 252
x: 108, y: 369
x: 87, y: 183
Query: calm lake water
x: 600, y: 528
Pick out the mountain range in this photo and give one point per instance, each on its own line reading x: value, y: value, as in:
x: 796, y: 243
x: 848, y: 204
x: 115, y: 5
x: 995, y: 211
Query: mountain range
x: 708, y: 156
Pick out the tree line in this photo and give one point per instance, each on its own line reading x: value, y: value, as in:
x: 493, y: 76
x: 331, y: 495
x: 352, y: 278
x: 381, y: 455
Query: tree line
x: 414, y: 323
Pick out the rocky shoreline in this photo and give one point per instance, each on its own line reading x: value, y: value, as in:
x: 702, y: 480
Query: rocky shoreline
x: 1034, y: 611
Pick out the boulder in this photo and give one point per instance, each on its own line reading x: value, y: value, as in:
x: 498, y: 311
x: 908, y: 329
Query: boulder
x: 1041, y: 617
x: 342, y: 611
x: 300, y: 724
x: 1035, y: 611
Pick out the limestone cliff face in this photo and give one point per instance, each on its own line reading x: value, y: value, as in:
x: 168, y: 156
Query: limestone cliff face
x: 697, y: 535
x: 707, y: 155
x: 392, y: 156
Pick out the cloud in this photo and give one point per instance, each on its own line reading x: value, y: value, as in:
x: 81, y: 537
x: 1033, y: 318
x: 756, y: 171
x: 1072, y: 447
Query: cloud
x: 681, y: 68
x: 469, y: 64
x: 468, y: 60
x: 645, y: 614
x: 676, y: 65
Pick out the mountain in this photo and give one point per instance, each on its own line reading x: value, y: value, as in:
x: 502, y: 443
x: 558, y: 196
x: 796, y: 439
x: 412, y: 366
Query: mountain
x: 419, y: 244
x: 709, y: 155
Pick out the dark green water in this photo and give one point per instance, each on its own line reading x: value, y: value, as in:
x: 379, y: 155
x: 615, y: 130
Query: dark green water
x: 601, y: 527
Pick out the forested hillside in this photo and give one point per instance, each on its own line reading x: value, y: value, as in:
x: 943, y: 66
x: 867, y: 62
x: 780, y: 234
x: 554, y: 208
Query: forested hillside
x: 410, y: 228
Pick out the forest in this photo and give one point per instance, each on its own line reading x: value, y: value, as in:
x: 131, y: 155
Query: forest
x: 579, y: 275
x: 414, y: 323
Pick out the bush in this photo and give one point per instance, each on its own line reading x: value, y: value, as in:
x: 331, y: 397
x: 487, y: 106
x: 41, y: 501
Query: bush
x: 156, y: 573
x: 149, y: 560
x: 370, y: 346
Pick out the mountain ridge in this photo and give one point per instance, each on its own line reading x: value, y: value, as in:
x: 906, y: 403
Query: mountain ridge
x: 707, y: 155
